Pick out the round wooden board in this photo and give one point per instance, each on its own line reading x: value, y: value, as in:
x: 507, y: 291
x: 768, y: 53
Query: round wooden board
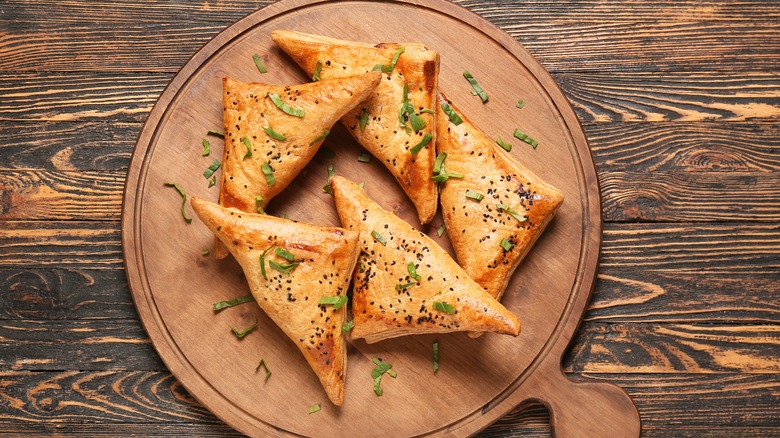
x: 174, y: 285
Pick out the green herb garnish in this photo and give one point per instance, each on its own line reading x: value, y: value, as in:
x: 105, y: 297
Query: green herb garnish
x: 212, y: 181
x: 349, y: 325
x: 315, y: 408
x: 478, y: 91
x: 507, y: 245
x: 418, y: 147
x: 296, y: 112
x: 317, y: 71
x: 407, y: 113
x: 503, y: 144
x: 206, y: 147
x: 412, y: 268
x: 513, y: 213
x: 379, y: 238
x: 320, y: 138
x: 248, y: 145
x: 281, y: 252
x: 364, y: 157
x: 337, y: 302
x: 454, y: 117
x: 215, y: 133
x: 522, y: 136
x: 231, y: 303
x: 474, y: 195
x: 439, y: 162
x: 267, y: 371
x: 269, y: 174
x: 242, y: 333
x: 205, y: 252
x: 435, y: 357
x: 259, y: 63
x: 211, y: 169
x: 284, y: 269
x: 331, y: 171
x: 379, y: 370
x: 404, y: 286
x: 259, y: 204
x: 389, y: 68
x: 183, y: 200
x: 273, y: 134
x: 441, y: 229
x: 363, y: 120
x: 427, y: 111
x: 520, y: 103
x: 262, y: 261
x: 443, y: 307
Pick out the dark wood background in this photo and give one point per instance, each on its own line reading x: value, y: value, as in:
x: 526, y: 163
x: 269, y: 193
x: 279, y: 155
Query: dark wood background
x: 681, y: 104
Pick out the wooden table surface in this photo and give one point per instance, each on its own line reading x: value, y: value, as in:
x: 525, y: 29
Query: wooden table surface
x: 680, y: 101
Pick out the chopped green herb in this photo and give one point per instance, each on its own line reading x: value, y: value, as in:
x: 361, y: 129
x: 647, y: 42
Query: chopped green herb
x: 267, y: 371
x: 522, y: 136
x: 443, y: 307
x: 337, y: 302
x: 331, y: 170
x: 454, y: 117
x: 206, y: 147
x: 205, y: 252
x: 215, y: 133
x: 418, y: 147
x: 349, y: 325
x: 269, y: 174
x: 427, y: 111
x: 378, y: 371
x: 520, y: 103
x: 435, y: 357
x: 503, y: 144
x: 389, y: 68
x: 315, y: 408
x: 404, y: 286
x: 441, y: 229
x: 259, y: 63
x: 377, y: 388
x: 183, y: 200
x: 362, y: 185
x: 412, y: 268
x: 284, y: 269
x: 444, y: 176
x: 327, y: 153
x: 248, y: 145
x: 273, y: 134
x: 474, y: 195
x: 507, y: 245
x: 211, y: 169
x: 328, y: 189
x: 379, y: 238
x: 363, y: 119
x: 513, y: 213
x: 364, y: 157
x: 259, y: 204
x: 439, y: 162
x: 296, y: 112
x: 320, y: 138
x: 392, y: 373
x: 262, y: 261
x: 317, y: 71
x: 475, y: 85
x: 242, y: 333
x: 407, y: 113
x: 281, y: 252
x: 361, y: 266
x: 212, y: 181
x: 231, y: 303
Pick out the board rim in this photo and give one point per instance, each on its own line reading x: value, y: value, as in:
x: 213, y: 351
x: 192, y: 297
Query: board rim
x: 143, y: 297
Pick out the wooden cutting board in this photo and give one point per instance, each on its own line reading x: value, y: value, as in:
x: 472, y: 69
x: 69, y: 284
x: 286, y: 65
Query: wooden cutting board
x: 480, y: 380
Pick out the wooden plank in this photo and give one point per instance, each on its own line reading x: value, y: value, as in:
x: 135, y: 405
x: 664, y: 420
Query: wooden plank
x: 687, y: 147
x: 599, y: 348
x: 79, y: 96
x: 79, y: 146
x: 690, y: 197
x: 564, y: 36
x: 679, y: 97
x: 56, y: 293
x: 112, y: 403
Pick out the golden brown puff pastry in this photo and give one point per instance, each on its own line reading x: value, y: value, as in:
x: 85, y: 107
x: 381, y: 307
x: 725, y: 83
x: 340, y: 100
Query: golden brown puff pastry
x: 323, y: 261
x: 250, y: 180
x: 517, y: 204
x: 417, y: 68
x: 405, y: 283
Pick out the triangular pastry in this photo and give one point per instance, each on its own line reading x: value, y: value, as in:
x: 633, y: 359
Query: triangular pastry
x: 265, y: 146
x: 405, y: 283
x: 407, y: 152
x: 290, y: 266
x: 497, y: 200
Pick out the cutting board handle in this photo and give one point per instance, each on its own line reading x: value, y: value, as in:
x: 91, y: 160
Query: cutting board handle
x: 588, y: 409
